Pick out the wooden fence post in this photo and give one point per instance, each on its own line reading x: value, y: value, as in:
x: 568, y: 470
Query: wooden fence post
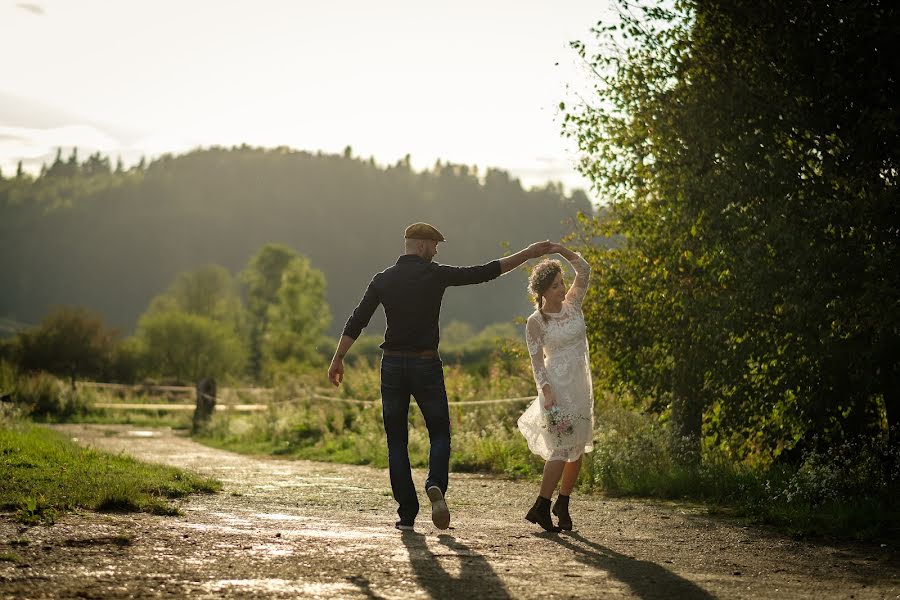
x: 206, y: 403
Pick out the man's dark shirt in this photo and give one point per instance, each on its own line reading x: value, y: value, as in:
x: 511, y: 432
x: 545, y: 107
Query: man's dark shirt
x: 411, y: 291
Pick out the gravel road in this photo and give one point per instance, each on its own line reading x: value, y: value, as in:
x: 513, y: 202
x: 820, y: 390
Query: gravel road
x: 300, y: 529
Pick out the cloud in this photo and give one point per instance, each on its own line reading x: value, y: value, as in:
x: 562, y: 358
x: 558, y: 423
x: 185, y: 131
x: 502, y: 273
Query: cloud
x: 18, y: 112
x: 34, y: 147
x: 32, y: 8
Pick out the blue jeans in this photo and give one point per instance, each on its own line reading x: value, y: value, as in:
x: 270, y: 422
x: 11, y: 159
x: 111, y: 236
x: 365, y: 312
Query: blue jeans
x: 423, y: 378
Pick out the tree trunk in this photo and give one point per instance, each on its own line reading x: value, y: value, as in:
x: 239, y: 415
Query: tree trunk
x: 687, y: 417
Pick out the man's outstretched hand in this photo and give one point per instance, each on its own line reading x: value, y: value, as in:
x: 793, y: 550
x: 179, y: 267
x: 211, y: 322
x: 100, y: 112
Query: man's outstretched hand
x: 336, y: 372
x: 535, y: 250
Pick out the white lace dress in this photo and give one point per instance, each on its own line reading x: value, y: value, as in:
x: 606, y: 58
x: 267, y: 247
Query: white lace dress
x: 559, y: 356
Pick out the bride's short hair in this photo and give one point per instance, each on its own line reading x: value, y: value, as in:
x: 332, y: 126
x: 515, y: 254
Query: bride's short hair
x: 541, y: 278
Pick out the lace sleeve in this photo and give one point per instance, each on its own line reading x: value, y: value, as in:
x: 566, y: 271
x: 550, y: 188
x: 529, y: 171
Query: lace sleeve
x: 534, y: 339
x: 576, y: 293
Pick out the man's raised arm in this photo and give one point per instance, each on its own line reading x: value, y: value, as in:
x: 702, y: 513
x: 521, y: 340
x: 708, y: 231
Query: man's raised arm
x: 535, y: 250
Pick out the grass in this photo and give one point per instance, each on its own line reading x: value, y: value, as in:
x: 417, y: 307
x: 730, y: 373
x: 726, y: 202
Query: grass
x: 179, y: 420
x: 43, y: 398
x: 142, y: 417
x: 484, y: 437
x: 43, y: 474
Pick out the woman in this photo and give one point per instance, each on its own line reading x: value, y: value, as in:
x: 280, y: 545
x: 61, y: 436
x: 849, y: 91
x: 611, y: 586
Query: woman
x: 559, y: 424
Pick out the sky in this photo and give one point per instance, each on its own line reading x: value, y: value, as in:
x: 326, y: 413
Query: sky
x: 471, y: 82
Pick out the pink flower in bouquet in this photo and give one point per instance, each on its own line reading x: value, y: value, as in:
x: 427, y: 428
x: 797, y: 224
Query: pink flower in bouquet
x: 559, y: 421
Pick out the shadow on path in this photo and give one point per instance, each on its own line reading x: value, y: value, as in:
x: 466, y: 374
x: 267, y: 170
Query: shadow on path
x: 646, y: 579
x: 365, y: 586
x: 476, y: 578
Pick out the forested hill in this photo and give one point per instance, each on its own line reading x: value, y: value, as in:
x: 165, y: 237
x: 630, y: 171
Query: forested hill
x: 83, y: 233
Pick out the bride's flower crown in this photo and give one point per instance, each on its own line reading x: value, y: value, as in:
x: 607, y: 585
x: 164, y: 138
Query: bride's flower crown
x: 542, y: 276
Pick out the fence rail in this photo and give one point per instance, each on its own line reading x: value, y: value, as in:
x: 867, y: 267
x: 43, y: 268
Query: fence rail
x: 243, y: 407
x: 176, y: 407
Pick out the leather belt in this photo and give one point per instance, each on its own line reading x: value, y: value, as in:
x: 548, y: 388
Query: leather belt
x: 413, y: 353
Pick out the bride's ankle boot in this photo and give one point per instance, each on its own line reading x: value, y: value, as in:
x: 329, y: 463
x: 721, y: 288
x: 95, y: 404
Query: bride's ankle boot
x: 561, y: 510
x: 540, y: 514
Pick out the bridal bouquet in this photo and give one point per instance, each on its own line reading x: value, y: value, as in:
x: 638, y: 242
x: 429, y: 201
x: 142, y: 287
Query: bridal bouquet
x: 558, y: 421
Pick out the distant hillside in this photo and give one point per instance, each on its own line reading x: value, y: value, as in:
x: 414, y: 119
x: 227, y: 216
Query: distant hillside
x: 87, y: 234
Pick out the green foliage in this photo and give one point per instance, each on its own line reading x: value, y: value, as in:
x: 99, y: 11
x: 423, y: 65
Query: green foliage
x: 849, y: 490
x: 749, y: 161
x: 9, y: 375
x: 69, y: 342
x: 295, y: 319
x: 114, y: 241
x: 461, y: 344
x: 288, y: 313
x: 485, y: 437
x: 44, y: 474
x: 188, y: 347
x: 37, y: 395
x: 62, y: 182
x: 45, y: 397
x: 208, y: 292
x: 198, y: 326
x: 128, y: 361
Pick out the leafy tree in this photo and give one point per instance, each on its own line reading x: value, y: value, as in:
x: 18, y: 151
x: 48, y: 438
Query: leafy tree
x: 166, y: 336
x: 187, y: 347
x: 262, y: 278
x: 296, y: 319
x: 69, y: 342
x: 208, y: 291
x: 749, y: 155
x: 128, y: 365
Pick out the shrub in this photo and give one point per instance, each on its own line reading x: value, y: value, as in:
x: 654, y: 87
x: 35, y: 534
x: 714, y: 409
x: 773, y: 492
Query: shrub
x: 69, y: 342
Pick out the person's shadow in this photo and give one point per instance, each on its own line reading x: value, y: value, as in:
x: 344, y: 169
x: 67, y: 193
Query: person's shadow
x: 476, y: 578
x: 646, y: 579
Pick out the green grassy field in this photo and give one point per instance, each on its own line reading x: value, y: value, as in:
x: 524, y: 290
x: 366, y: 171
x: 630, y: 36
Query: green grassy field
x: 43, y: 475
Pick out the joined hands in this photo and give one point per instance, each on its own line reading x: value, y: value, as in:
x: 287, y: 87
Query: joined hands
x: 539, y: 249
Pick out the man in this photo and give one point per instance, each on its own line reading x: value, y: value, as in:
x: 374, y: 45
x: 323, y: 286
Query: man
x: 411, y: 291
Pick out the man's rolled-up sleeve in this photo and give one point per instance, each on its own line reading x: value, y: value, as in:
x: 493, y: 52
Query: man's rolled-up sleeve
x: 468, y: 275
x: 362, y: 314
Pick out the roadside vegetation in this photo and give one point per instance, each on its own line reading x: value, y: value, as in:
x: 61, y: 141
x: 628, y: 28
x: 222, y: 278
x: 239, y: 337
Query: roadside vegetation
x: 44, y: 475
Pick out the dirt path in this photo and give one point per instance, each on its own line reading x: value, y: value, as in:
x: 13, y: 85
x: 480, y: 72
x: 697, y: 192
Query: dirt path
x: 303, y: 529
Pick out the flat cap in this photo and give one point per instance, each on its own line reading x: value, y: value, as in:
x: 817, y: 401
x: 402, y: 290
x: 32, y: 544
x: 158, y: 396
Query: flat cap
x: 423, y: 231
